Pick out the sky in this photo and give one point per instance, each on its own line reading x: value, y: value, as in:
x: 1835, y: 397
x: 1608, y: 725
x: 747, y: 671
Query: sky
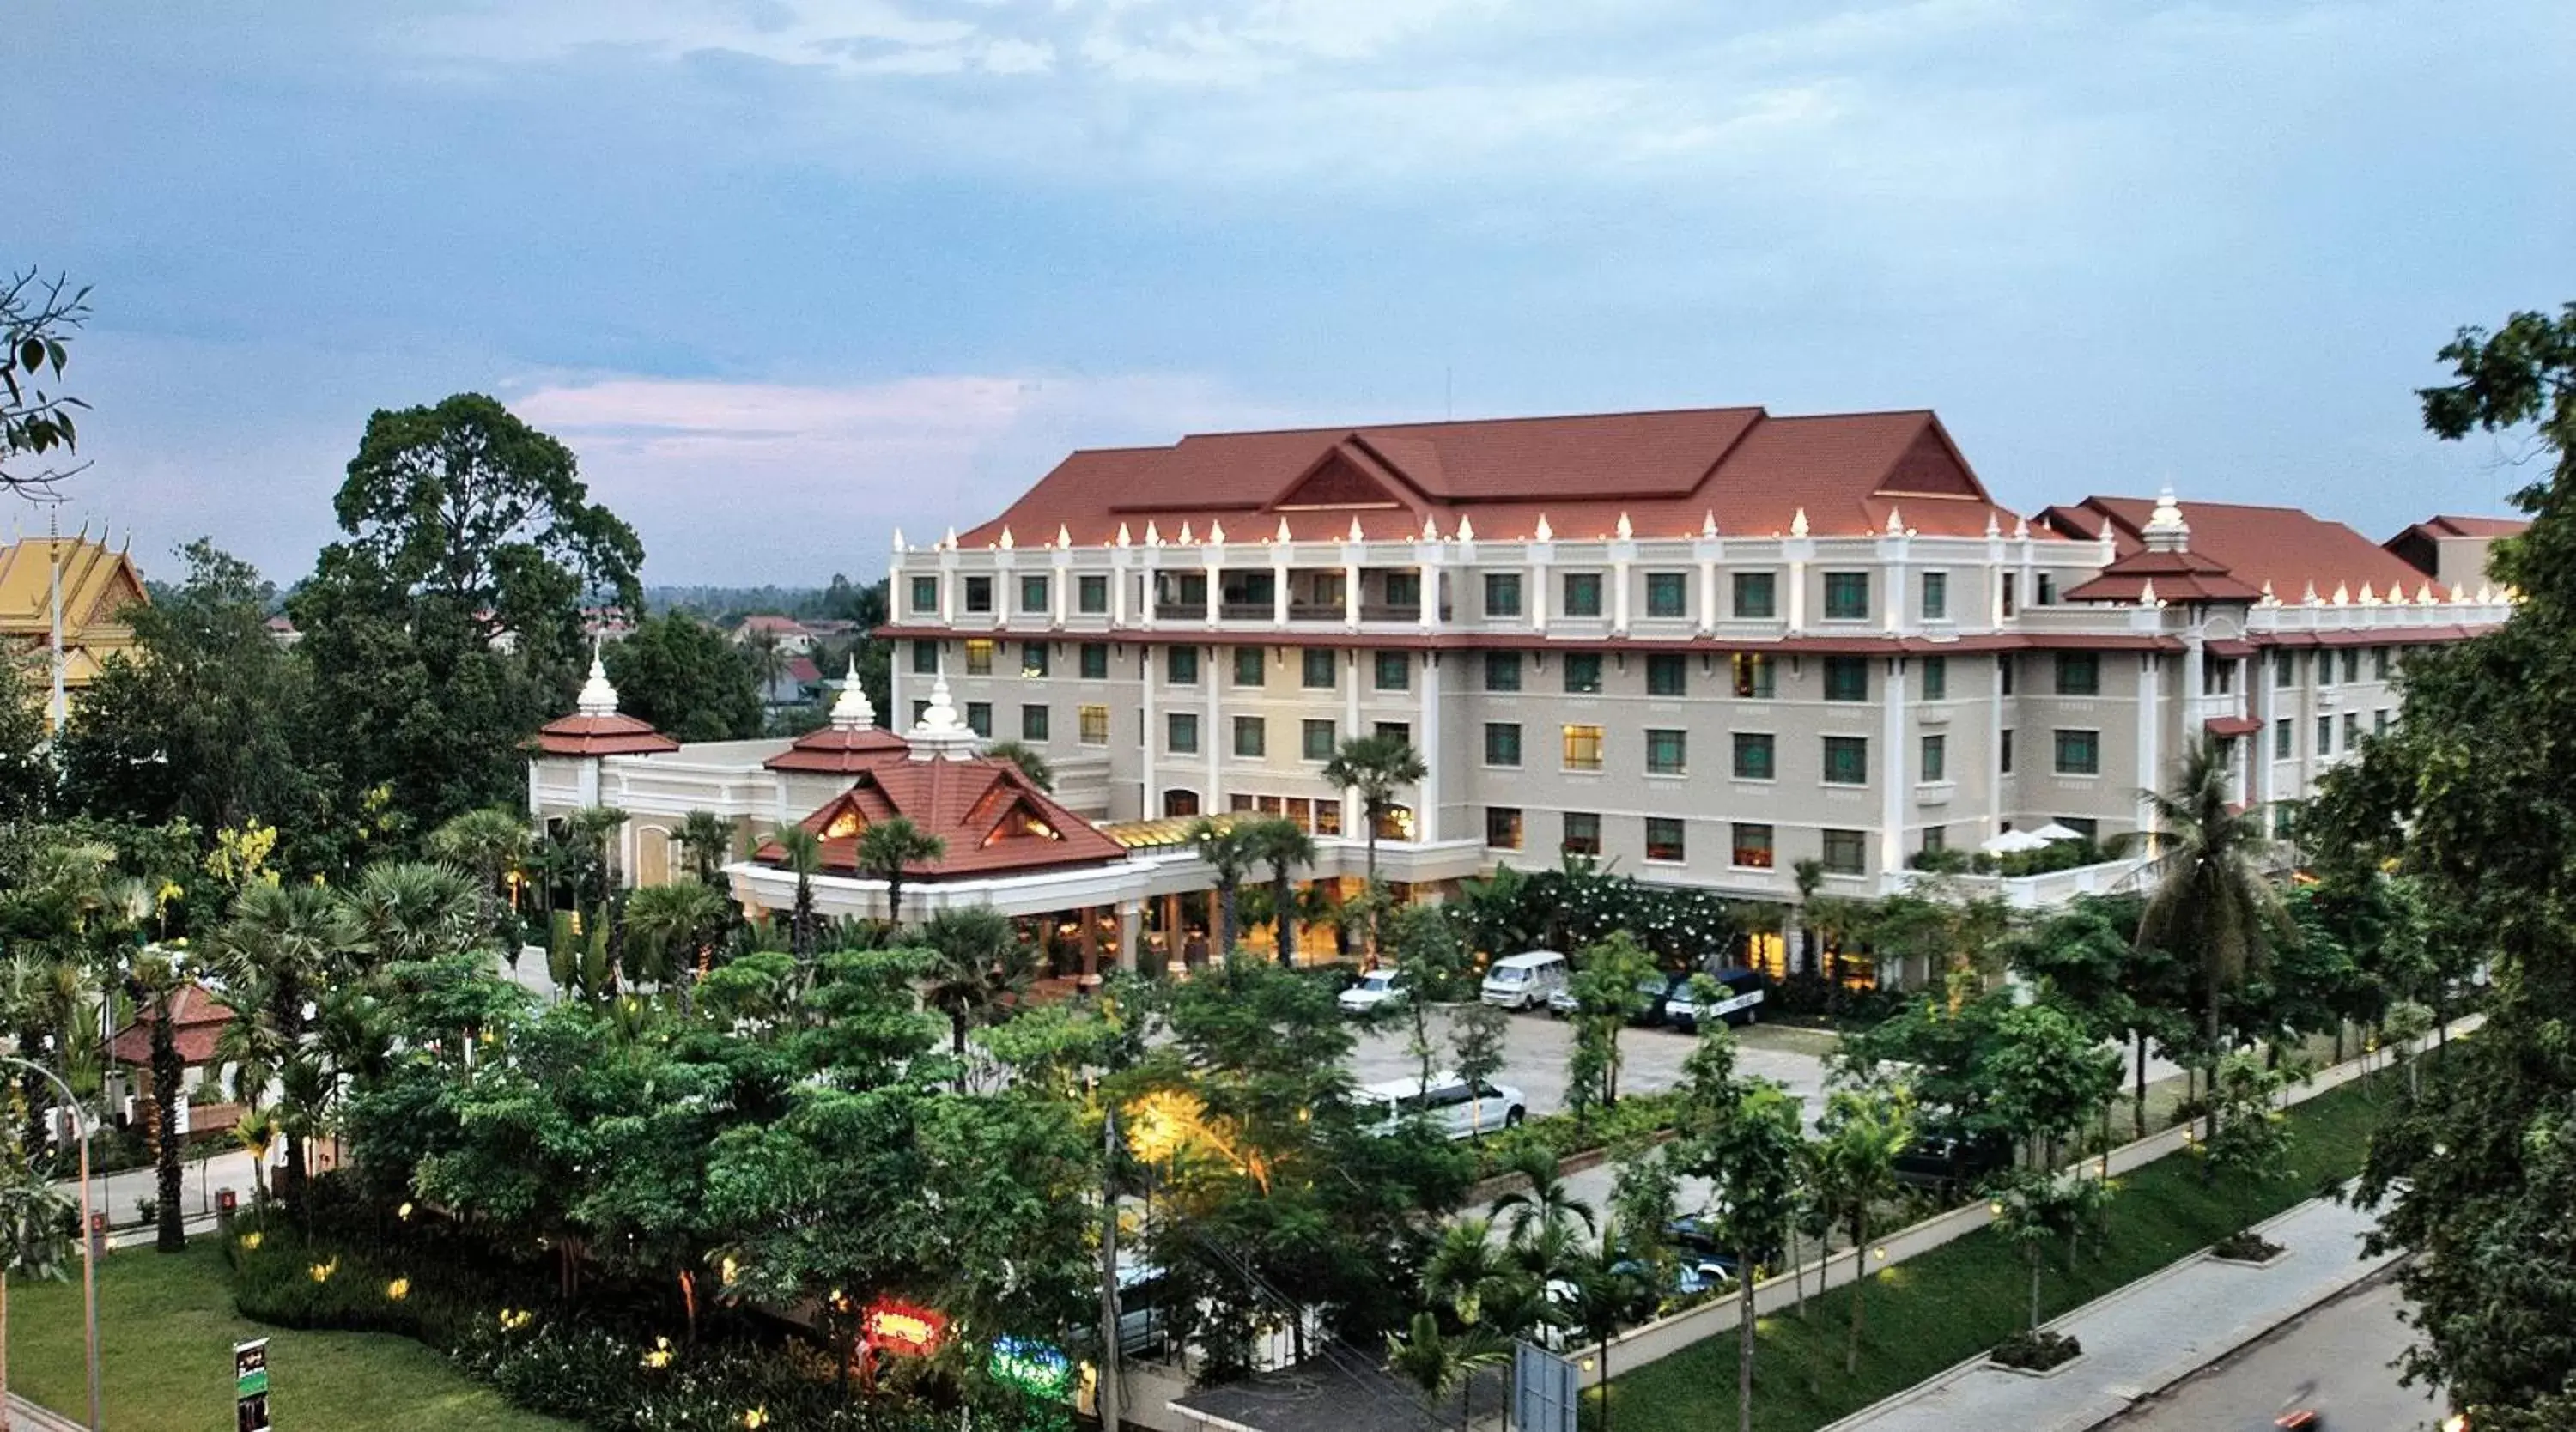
x: 789, y: 274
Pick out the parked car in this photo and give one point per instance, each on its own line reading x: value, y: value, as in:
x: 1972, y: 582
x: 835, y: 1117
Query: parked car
x: 1698, y: 1241
x: 1947, y: 1165
x: 1446, y: 1101
x: 1525, y: 980
x: 1739, y: 1004
x: 1691, y: 1276
x: 1378, y: 989
x: 1658, y: 989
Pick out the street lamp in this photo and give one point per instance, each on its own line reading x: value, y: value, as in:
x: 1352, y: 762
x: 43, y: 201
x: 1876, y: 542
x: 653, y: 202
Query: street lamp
x: 89, y: 1257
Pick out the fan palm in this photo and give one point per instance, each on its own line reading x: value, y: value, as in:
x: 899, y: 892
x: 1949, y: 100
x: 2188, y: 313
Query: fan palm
x: 491, y: 842
x: 979, y: 966
x: 406, y: 911
x: 1281, y: 844
x: 2212, y: 902
x: 1227, y: 848
x: 1436, y: 1362
x: 282, y: 945
x: 1375, y: 766
x: 708, y: 839
x: 888, y: 850
x: 672, y: 930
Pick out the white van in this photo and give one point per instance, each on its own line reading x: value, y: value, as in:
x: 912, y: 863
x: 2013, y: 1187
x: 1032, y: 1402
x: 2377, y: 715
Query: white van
x: 1455, y: 1110
x: 1524, y: 981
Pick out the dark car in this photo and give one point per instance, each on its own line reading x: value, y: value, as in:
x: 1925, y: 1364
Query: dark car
x: 1947, y: 1165
x: 1694, y: 1236
x: 1739, y: 1002
x: 1657, y: 991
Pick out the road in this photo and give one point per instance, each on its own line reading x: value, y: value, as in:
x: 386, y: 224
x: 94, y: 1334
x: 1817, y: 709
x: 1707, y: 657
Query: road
x: 2342, y: 1351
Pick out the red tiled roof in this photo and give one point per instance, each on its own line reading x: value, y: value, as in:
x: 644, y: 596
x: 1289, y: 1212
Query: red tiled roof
x: 803, y: 671
x: 2231, y: 725
x: 2449, y: 526
x: 783, y: 625
x: 994, y: 819
x: 836, y: 751
x: 1668, y: 471
x: 2281, y: 545
x: 601, y: 736
x: 197, y: 1020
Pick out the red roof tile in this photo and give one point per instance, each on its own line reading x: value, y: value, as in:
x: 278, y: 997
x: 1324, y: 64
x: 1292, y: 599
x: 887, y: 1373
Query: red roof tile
x: 2444, y: 526
x: 601, y: 736
x: 993, y: 818
x: 1668, y: 471
x: 197, y: 1020
x: 838, y: 751
x: 2281, y: 545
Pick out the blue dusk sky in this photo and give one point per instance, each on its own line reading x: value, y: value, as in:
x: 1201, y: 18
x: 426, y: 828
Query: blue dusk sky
x: 790, y: 273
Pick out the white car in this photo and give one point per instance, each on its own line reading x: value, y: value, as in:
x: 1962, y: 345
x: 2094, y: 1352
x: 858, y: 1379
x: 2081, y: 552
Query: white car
x: 1376, y: 989
x: 1525, y: 980
x: 1451, y: 1106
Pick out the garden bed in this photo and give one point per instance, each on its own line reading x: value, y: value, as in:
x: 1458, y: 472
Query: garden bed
x: 2039, y: 1354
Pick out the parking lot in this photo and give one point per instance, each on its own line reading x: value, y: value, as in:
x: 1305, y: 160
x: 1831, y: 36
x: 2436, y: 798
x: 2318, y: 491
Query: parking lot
x: 1537, y: 1049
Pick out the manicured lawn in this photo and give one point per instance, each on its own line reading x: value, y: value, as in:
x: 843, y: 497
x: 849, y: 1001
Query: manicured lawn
x: 166, y: 1332
x: 1956, y: 1301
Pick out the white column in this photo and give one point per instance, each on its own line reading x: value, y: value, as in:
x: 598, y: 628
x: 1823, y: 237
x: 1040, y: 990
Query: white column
x: 1350, y: 728
x: 1619, y: 568
x: 1215, y: 591
x: 1351, y: 586
x: 1427, y: 568
x: 1539, y: 554
x: 947, y: 588
x: 1426, y: 813
x: 1152, y: 801
x: 1150, y: 604
x: 2148, y: 759
x: 1893, y: 768
x: 1219, y: 740
x: 1118, y: 569
x: 1707, y: 594
x: 1279, y: 590
x: 1994, y: 748
x: 1798, y: 594
x: 1062, y: 594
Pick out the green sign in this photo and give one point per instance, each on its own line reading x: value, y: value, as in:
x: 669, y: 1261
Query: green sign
x: 1032, y: 1367
x: 250, y: 1386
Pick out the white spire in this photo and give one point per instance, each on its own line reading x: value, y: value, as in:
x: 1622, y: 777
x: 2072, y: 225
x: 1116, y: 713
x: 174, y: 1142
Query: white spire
x: 1005, y: 544
x: 1708, y: 523
x: 949, y: 541
x: 852, y: 711
x: 898, y: 539
x: 2343, y: 595
x: 1544, y: 533
x: 2310, y: 597
x: 1063, y: 536
x: 1895, y: 524
x: 1994, y: 529
x: 1216, y: 532
x: 2147, y: 593
x: 1356, y: 534
x: 1153, y: 534
x: 1283, y: 536
x: 2021, y: 526
x: 1626, y: 529
x: 1466, y: 528
x: 1123, y: 539
x: 597, y: 698
x: 2165, y: 530
x: 1430, y: 528
x: 2424, y: 596
x: 1798, y: 523
x: 1185, y: 532
x: 2269, y: 600
x: 2369, y: 598
x: 939, y: 734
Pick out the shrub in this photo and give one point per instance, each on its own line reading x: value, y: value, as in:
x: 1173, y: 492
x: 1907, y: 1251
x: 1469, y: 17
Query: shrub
x: 2036, y: 1352
x: 1809, y: 995
x: 2245, y: 1246
x: 1634, y: 1116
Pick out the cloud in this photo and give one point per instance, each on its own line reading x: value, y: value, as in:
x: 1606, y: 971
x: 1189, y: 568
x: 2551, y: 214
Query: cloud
x: 724, y: 478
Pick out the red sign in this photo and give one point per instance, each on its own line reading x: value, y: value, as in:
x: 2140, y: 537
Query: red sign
x: 903, y: 1329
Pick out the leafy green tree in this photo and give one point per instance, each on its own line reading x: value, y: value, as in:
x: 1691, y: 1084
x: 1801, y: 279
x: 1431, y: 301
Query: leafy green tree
x: 1477, y: 1035
x: 2088, y: 957
x: 38, y: 316
x: 671, y: 931
x: 492, y: 843
x: 2212, y: 903
x: 1376, y: 767
x: 980, y: 968
x: 683, y: 678
x: 1429, y: 957
x: 2254, y: 1139
x: 1608, y: 992
x: 27, y: 767
x: 1544, y: 1205
x: 2035, y: 1209
x: 1753, y: 1160
x: 888, y: 850
x: 1230, y: 856
x: 1031, y: 761
x: 1864, y: 1130
x: 708, y: 838
x: 1437, y: 1362
x: 1281, y: 844
x: 1993, y: 1067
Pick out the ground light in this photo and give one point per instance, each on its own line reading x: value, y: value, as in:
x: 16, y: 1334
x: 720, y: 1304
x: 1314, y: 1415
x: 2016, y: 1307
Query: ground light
x: 89, y: 1259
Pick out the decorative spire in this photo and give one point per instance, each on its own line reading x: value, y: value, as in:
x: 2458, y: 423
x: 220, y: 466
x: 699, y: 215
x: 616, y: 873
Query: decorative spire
x: 1430, y: 528
x: 1626, y: 528
x: 950, y: 541
x: 1798, y: 523
x: 2459, y: 592
x: 2269, y: 600
x: 2486, y: 594
x: 2343, y: 595
x: 1466, y: 528
x: 2147, y: 593
x: 852, y: 711
x: 1123, y: 539
x: 1283, y: 538
x: 1708, y: 523
x: 1063, y: 536
x: 1005, y: 544
x: 2165, y: 530
x: 2310, y: 598
x: 2109, y: 544
x: 597, y: 698
x: 2021, y: 527
x: 1185, y: 532
x: 1543, y: 532
x: 1216, y: 532
x: 1895, y: 523
x: 1153, y: 534
x: 2424, y: 595
x: 1356, y: 534
x: 939, y: 733
x: 1994, y: 529
x: 2369, y: 598
x: 898, y: 540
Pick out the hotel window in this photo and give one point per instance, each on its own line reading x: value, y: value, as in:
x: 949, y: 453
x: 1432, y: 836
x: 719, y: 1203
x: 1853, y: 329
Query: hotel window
x: 1936, y: 837
x: 1757, y: 595
x: 1503, y: 598
x: 1316, y: 739
x: 1582, y: 833
x: 2325, y: 735
x: 1502, y: 743
x: 1936, y: 678
x: 1583, y: 594
x: 2007, y: 668
x: 1248, y: 666
x: 2325, y: 668
x: 1936, y: 596
x: 1400, y: 730
x: 1664, y: 839
x: 2011, y: 588
x: 2351, y: 729
x: 1503, y: 827
x: 1033, y: 723
x: 1033, y: 660
x: 1753, y: 676
x: 1181, y: 665
x: 2379, y: 663
x: 1502, y: 671
x: 1177, y: 802
x: 1936, y: 760
x: 1751, y: 846
x: 1583, y: 673
x: 1320, y: 668
x: 1846, y: 678
x: 1583, y: 748
x: 1091, y: 725
x: 1846, y: 596
x: 925, y: 594
x: 2079, y: 673
x: 1846, y: 852
x: 1091, y: 595
x: 1404, y: 590
x: 1181, y: 732
x: 979, y: 718
x: 2044, y: 591
x: 1251, y: 737
x: 2285, y: 740
x: 1667, y: 594
x: 1667, y: 752
x: 2352, y: 663
x: 2285, y: 669
x: 979, y: 657
x: 1033, y: 594
x: 1846, y: 760
x: 979, y: 594
x: 1753, y: 755
x: 925, y: 658
x: 2003, y: 751
x: 2079, y: 753
x: 1095, y: 661
x: 1394, y: 671
x: 1667, y: 674
x: 2379, y: 721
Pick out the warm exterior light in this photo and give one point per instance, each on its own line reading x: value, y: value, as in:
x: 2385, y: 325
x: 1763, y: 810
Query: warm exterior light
x: 397, y: 1290
x: 403, y: 1212
x: 756, y: 1417
x: 321, y: 1272
x: 659, y: 1355
x: 1879, y: 1253
x: 904, y: 1329
x: 250, y: 1240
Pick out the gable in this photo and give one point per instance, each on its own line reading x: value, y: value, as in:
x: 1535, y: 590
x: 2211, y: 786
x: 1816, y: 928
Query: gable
x: 1930, y: 467
x: 1337, y: 481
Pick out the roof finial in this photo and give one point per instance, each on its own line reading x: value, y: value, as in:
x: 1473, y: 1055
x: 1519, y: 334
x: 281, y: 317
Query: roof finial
x: 898, y: 539
x: 2269, y: 600
x: 2424, y: 596
x: 2165, y: 530
x: 1216, y: 532
x: 950, y: 541
x: 1356, y: 534
x: 852, y: 711
x: 2369, y: 598
x: 1626, y: 529
x: 1466, y: 528
x: 1283, y: 538
x: 1063, y: 536
x: 1153, y: 534
x: 1123, y: 539
x: 1430, y: 528
x: 1798, y: 523
x: 1005, y: 543
x: 2343, y: 595
x: 1708, y: 523
x: 939, y: 733
x: 2309, y: 599
x: 1185, y: 532
x: 1895, y: 523
x: 597, y: 697
x: 2021, y: 527
x: 1543, y: 532
x: 1994, y: 529
x: 2147, y: 593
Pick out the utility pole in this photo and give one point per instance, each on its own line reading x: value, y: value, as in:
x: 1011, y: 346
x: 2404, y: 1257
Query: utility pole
x: 1108, y: 1396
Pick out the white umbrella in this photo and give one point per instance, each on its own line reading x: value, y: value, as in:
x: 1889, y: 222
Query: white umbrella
x: 2052, y: 832
x: 2013, y: 842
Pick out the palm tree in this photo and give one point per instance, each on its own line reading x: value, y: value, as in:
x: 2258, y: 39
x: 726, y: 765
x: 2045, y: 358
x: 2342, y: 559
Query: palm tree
x: 282, y: 946
x: 1463, y: 1268
x: 768, y: 661
x: 1026, y: 757
x: 672, y: 930
x: 1227, y: 847
x: 410, y: 911
x: 491, y: 842
x: 1810, y: 873
x: 1855, y: 1168
x: 889, y: 849
x: 980, y: 963
x: 1281, y: 844
x: 1607, y: 1290
x: 803, y: 850
x: 154, y: 981
x: 588, y: 832
x: 2211, y: 902
x: 708, y: 839
x: 1375, y: 766
x: 1546, y: 1205
x: 1436, y: 1362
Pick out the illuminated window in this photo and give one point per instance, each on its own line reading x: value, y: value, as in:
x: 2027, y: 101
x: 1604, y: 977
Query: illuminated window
x: 1847, y: 596
x: 1181, y: 733
x: 1846, y: 678
x: 1502, y: 743
x: 1091, y: 595
x: 1753, y: 675
x: 1091, y: 725
x: 1754, y: 751
x: 1033, y: 659
x: 1583, y: 748
x: 1503, y: 827
x: 1846, y: 760
x: 1396, y: 824
x: 1320, y: 665
x: 1664, y: 839
x: 1752, y: 846
x: 1503, y: 599
x: 1667, y: 674
x: 1033, y: 594
x: 1583, y: 673
x: 1248, y: 666
x: 1582, y: 833
x: 1583, y: 594
x: 1181, y: 665
x: 1315, y: 740
x: 1033, y: 723
x: 979, y: 657
x: 1502, y: 671
x: 1846, y: 852
x: 1757, y: 595
x: 2079, y: 753
x: 2079, y: 673
x: 1666, y: 752
x: 1667, y: 594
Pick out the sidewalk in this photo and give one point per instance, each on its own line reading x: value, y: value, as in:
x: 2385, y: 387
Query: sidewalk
x: 25, y: 1416
x: 2145, y: 1336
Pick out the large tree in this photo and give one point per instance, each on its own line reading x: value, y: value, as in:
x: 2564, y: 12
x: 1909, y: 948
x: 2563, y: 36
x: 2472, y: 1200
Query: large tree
x: 446, y: 626
x: 37, y: 433
x: 683, y: 677
x: 2473, y: 796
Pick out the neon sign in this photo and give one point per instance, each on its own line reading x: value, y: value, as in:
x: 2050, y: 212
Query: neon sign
x: 903, y: 1329
x: 1032, y: 1366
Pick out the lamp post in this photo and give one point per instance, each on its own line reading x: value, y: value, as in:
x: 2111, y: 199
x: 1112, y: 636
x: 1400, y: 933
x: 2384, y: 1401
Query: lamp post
x: 89, y: 1258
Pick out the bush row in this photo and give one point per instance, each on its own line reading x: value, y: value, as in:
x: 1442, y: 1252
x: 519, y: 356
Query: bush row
x: 1561, y: 1136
